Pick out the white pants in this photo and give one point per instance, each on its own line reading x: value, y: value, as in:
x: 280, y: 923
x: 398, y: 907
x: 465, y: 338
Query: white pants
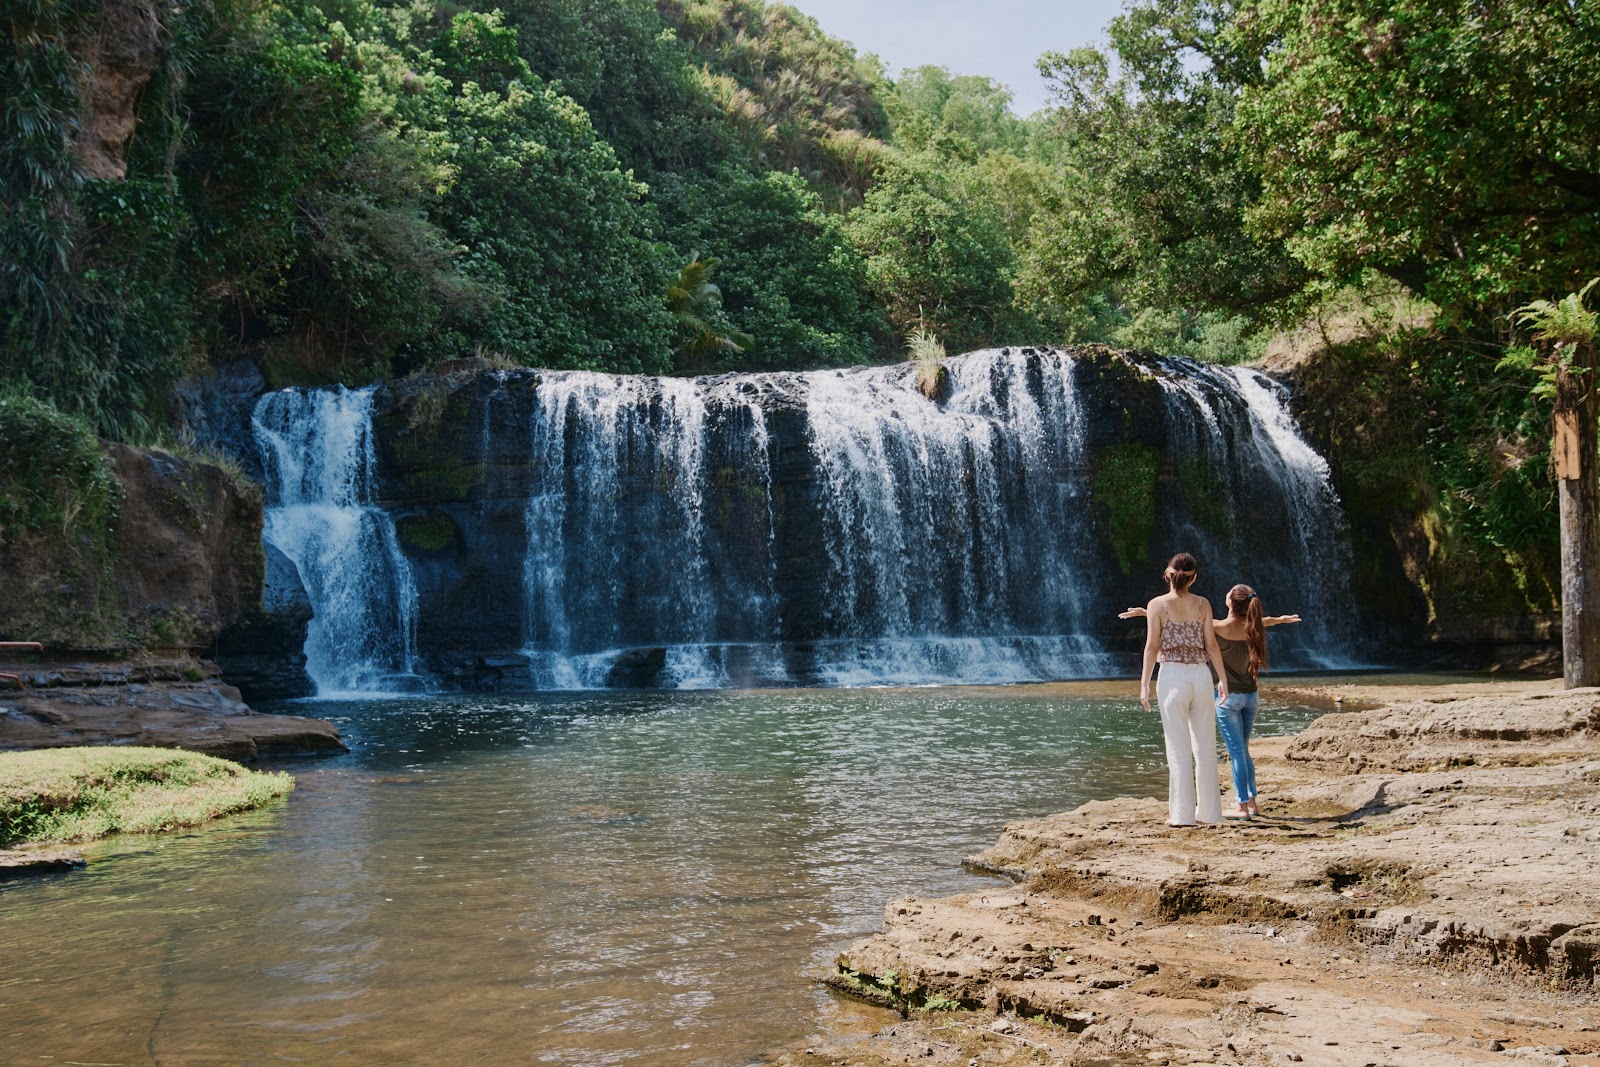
x: 1189, y: 721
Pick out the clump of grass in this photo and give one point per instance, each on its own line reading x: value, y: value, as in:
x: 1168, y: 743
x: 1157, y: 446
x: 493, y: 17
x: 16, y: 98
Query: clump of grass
x: 79, y: 794
x: 927, y: 356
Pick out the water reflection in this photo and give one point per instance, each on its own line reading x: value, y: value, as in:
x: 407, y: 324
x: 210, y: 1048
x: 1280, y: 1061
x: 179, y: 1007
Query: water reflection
x: 604, y: 879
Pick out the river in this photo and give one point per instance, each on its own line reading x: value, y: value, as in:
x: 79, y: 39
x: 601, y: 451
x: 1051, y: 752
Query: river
x: 626, y: 878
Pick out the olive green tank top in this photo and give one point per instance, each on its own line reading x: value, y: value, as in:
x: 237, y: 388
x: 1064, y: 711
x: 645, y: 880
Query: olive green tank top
x: 1236, y: 661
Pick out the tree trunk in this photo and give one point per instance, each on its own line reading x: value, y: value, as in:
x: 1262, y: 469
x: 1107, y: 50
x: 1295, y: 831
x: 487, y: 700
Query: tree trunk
x: 1577, y: 405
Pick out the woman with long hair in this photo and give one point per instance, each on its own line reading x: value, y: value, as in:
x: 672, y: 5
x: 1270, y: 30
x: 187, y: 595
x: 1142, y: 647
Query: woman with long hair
x: 1178, y: 633
x: 1242, y: 642
x: 1242, y: 639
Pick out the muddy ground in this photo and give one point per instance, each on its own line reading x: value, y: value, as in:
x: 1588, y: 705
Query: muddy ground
x: 1422, y: 888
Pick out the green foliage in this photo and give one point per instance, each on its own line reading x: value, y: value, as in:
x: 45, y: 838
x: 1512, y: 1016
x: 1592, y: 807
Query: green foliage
x: 548, y: 222
x: 962, y: 116
x: 936, y: 251
x: 1566, y: 326
x: 1448, y: 145
x: 1125, y: 487
x: 79, y: 794
x: 1155, y: 191
x: 54, y: 477
x: 788, y: 276
x: 1441, y: 457
x: 695, y: 301
x: 798, y: 99
x: 640, y: 85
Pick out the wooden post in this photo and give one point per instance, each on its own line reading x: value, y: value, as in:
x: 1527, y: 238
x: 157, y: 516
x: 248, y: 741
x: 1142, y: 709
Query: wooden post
x: 1576, y: 461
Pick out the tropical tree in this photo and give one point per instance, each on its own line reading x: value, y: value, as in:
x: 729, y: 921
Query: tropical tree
x: 1566, y: 363
x: 1155, y: 189
x: 1451, y: 145
x: 696, y: 303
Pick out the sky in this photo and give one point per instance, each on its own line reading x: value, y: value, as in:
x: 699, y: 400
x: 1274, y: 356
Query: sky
x: 999, y: 38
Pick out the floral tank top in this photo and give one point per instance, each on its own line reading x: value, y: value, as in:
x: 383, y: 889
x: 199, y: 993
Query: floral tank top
x: 1182, y: 642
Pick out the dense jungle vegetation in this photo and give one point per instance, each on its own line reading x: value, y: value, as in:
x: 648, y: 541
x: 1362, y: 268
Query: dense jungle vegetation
x: 353, y: 189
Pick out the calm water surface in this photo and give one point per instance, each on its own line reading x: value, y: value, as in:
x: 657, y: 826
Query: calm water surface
x: 636, y: 878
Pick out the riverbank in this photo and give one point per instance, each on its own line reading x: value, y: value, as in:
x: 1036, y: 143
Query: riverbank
x: 1422, y: 889
x: 158, y: 701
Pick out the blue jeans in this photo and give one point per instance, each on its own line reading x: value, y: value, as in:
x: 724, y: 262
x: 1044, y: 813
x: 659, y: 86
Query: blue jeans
x: 1235, y: 718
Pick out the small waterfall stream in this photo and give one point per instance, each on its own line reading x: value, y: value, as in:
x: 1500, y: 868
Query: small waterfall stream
x: 317, y: 456
x: 830, y: 527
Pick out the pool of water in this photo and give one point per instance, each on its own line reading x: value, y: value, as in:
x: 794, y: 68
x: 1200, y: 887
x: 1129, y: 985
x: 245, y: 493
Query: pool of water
x: 636, y: 878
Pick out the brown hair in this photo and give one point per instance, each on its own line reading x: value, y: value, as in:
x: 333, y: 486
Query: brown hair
x: 1244, y: 604
x: 1181, y: 571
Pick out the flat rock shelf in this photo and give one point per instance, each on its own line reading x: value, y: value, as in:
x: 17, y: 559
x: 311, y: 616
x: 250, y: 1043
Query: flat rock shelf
x: 1423, y: 888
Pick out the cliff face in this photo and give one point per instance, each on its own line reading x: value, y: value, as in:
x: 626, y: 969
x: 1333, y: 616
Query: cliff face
x: 182, y: 561
x: 590, y: 514
x: 1428, y: 574
x: 121, y: 49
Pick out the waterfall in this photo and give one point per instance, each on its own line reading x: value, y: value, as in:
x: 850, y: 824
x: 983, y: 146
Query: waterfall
x: 620, y: 552
x: 1249, y: 470
x: 953, y: 534
x: 317, y: 456
x: 821, y: 528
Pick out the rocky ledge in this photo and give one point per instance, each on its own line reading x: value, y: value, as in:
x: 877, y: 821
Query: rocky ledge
x: 164, y: 702
x: 1423, y: 889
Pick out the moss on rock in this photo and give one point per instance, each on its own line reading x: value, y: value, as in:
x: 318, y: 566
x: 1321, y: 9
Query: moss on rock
x: 432, y: 532
x: 1125, y: 486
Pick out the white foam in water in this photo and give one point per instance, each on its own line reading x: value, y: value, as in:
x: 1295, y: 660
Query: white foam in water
x: 961, y: 661
x: 316, y: 452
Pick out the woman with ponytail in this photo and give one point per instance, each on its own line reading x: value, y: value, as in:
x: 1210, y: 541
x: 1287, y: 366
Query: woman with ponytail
x: 1242, y: 637
x: 1242, y: 642
x: 1179, y: 634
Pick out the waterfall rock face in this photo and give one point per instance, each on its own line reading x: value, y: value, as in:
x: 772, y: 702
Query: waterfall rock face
x: 494, y: 528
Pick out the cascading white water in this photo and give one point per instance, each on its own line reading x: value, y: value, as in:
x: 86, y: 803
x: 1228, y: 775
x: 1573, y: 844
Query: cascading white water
x: 954, y: 538
x: 830, y: 527
x: 317, y: 457
x: 619, y: 551
x: 1235, y: 427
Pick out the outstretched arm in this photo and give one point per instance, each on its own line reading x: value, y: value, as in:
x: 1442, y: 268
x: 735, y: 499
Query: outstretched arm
x: 1133, y: 613
x: 1279, y: 620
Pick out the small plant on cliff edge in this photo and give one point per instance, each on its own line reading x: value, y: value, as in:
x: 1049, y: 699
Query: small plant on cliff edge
x: 927, y: 357
x: 696, y: 302
x: 54, y: 477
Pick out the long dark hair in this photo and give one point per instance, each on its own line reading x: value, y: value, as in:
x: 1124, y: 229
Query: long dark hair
x: 1181, y: 571
x: 1244, y: 604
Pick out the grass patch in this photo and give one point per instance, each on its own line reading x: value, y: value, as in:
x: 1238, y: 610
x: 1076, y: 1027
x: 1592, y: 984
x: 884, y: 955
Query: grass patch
x: 79, y: 794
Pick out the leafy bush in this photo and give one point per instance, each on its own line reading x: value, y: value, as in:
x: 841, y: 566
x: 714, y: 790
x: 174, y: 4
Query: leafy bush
x: 788, y: 275
x: 54, y: 477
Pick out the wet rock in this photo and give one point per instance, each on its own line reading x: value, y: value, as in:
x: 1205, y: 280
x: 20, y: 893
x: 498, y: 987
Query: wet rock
x: 263, y: 653
x: 636, y: 668
x: 202, y: 716
x: 21, y: 863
